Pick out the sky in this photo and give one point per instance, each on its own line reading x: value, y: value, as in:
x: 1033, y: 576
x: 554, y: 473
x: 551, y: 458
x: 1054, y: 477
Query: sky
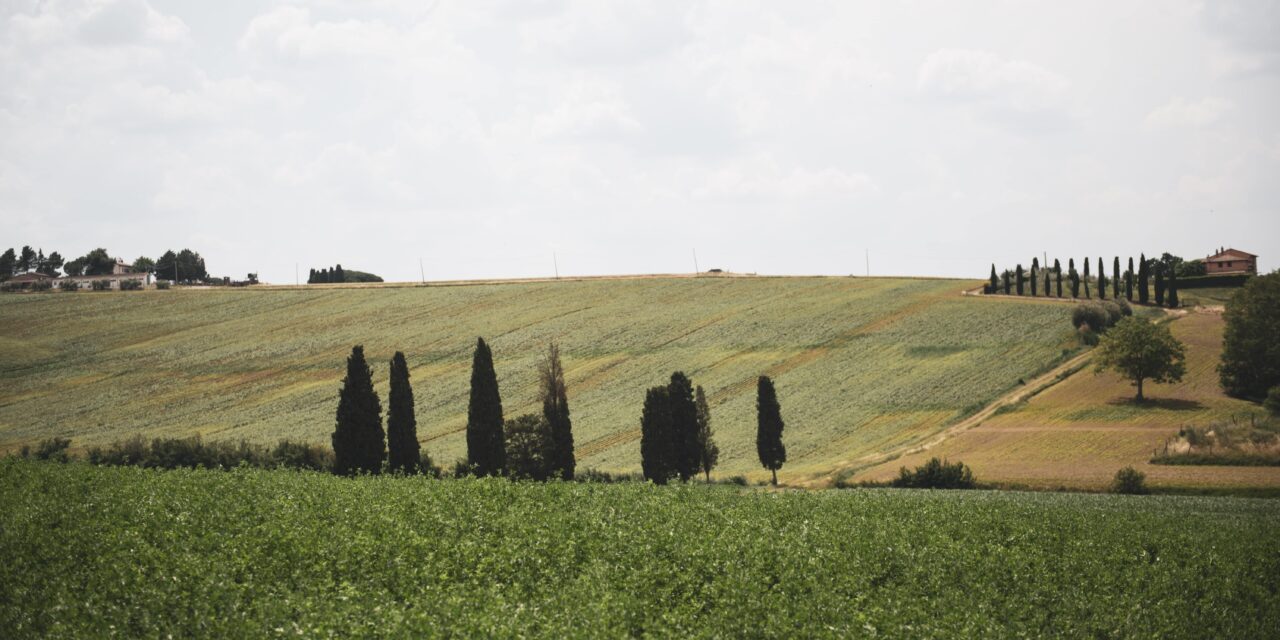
x: 486, y: 139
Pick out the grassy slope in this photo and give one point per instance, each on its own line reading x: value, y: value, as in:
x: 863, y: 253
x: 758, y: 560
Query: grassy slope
x: 250, y: 553
x: 1078, y: 433
x: 861, y: 364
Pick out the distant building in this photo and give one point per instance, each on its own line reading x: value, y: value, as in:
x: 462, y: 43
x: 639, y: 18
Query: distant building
x: 86, y: 282
x: 27, y: 280
x: 120, y: 267
x: 1231, y: 261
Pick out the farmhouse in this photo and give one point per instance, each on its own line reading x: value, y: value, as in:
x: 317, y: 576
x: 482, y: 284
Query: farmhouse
x: 114, y: 279
x: 1231, y: 261
x: 27, y: 280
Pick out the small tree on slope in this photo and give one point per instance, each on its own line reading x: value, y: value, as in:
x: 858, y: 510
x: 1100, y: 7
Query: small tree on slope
x: 656, y: 450
x: 773, y: 454
x: 358, y: 441
x: 486, y: 449
x: 709, y: 453
x: 404, y: 454
x: 555, y: 411
x: 1141, y: 350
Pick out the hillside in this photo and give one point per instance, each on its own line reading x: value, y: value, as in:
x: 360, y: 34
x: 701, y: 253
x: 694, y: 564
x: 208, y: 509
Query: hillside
x: 861, y: 364
x: 1079, y: 432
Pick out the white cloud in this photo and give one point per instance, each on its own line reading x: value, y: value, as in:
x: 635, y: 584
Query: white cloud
x: 1000, y: 86
x: 762, y: 177
x: 1184, y: 113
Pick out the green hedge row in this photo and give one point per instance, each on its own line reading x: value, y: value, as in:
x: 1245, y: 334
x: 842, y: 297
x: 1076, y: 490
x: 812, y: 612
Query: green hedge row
x: 1204, y: 282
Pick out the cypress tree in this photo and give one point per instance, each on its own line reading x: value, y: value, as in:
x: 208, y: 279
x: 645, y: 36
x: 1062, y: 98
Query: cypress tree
x: 1018, y: 274
x: 1075, y: 277
x: 1115, y: 277
x: 1159, y: 269
x: 684, y: 426
x: 708, y: 452
x: 486, y: 450
x: 311, y: 277
x: 656, y: 436
x: 1047, y: 292
x: 1057, y: 270
x: 1006, y: 282
x: 769, y: 428
x: 358, y: 440
x: 338, y: 274
x: 1128, y: 281
x: 1035, y: 270
x: 404, y: 454
x: 1171, y: 289
x: 1086, y: 278
x: 555, y: 410
x: 1144, y: 275
x: 995, y: 284
x: 1102, y: 280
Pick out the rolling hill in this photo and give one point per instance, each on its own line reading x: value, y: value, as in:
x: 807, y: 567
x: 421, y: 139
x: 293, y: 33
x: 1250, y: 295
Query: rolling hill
x: 861, y: 364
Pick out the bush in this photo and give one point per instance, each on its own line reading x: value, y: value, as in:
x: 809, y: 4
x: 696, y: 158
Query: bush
x: 192, y: 452
x: 42, y: 285
x: 1090, y: 315
x: 299, y: 455
x: 130, y: 285
x: 936, y: 474
x: 1126, y: 309
x: 69, y: 285
x: 54, y: 449
x: 1272, y: 403
x: 1114, y: 313
x: 101, y: 285
x: 162, y: 284
x: 1131, y: 481
x: 1203, y: 282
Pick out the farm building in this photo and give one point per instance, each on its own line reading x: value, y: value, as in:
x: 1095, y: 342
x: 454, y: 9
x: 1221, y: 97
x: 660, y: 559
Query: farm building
x: 1231, y: 261
x: 27, y: 280
x: 86, y: 282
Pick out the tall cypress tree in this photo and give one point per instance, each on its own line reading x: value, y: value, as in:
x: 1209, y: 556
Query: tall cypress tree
x: 769, y: 428
x: 1144, y: 275
x: 708, y: 452
x: 995, y: 284
x: 1171, y: 288
x: 656, y: 451
x: 1057, y: 270
x: 1018, y: 274
x: 486, y: 449
x: 339, y: 275
x: 358, y: 440
x: 1047, y: 291
x: 1158, y: 266
x: 1075, y: 277
x: 1102, y: 280
x: 555, y: 410
x: 1128, y: 281
x: 1086, y: 278
x: 404, y: 454
x: 1115, y: 277
x: 1006, y: 282
x: 684, y: 426
x: 1035, y: 272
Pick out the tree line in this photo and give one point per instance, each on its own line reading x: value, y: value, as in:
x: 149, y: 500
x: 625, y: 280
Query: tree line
x: 337, y: 274
x: 676, y: 441
x: 182, y: 266
x: 1162, y: 273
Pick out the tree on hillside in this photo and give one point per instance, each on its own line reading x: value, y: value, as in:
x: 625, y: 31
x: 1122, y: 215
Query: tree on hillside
x: 554, y: 395
x: 1141, y: 350
x: 1086, y: 277
x: 656, y: 441
x: 1158, y: 267
x: 1250, y: 345
x: 1057, y: 272
x: 404, y: 454
x: 769, y: 428
x: 50, y: 265
x: 358, y: 440
x: 183, y: 266
x: 485, y: 446
x: 1144, y: 275
x: 1171, y: 290
x: 708, y: 452
x: 1074, y: 276
x: 1018, y: 276
x: 1102, y: 280
x: 530, y: 448
x: 995, y: 282
x: 1035, y: 275
x: 684, y: 426
x: 1128, y: 281
x: 1115, y: 277
x: 26, y: 259
x: 1006, y: 282
x: 143, y: 264
x: 96, y: 263
x: 8, y: 263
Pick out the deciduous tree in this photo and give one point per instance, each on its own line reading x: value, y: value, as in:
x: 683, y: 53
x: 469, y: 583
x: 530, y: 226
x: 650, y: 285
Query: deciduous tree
x: 1251, y: 340
x: 1141, y: 350
x: 530, y: 448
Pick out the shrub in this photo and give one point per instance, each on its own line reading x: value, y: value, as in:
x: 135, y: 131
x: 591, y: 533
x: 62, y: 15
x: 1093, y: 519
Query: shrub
x: 54, y: 449
x: 43, y: 285
x: 1090, y: 315
x: 162, y: 284
x: 1272, y: 403
x: 1126, y: 309
x: 192, y: 452
x: 69, y: 285
x: 300, y: 455
x: 101, y: 285
x: 1129, y: 480
x: 130, y: 285
x: 936, y: 474
x: 1114, y: 313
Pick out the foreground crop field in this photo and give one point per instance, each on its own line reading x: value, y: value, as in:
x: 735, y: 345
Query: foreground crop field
x: 1078, y: 433
x: 124, y: 551
x: 861, y: 364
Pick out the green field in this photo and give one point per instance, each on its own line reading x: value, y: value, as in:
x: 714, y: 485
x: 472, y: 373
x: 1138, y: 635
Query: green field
x: 861, y: 365
x: 95, y: 551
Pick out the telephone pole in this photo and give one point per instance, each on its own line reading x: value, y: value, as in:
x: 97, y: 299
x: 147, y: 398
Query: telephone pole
x: 868, y: 262
x: 696, y: 270
x: 295, y: 274
x: 422, y: 273
x: 555, y: 263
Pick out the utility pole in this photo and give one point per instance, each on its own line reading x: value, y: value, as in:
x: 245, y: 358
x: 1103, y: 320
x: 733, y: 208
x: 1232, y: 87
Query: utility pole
x: 868, y: 262
x: 555, y: 263
x: 295, y: 274
x: 421, y: 271
x: 696, y: 270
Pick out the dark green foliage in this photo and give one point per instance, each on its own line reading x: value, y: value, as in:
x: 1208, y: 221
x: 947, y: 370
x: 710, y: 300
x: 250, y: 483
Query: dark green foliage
x: 1220, y: 280
x: 1102, y: 280
x: 936, y: 474
x: 404, y: 454
x: 50, y: 265
x: 1176, y: 266
x: 69, y: 285
x: 9, y: 264
x: 1057, y: 272
x: 769, y: 447
x: 100, y: 285
x: 1128, y: 282
x: 1086, y: 278
x: 192, y: 453
x: 143, y: 264
x: 1090, y: 315
x: 1144, y: 276
x: 995, y: 284
x: 657, y: 442
x: 359, y: 444
x: 530, y: 448
x: 1035, y: 275
x: 184, y: 266
x: 1074, y: 276
x: 26, y: 259
x: 555, y: 411
x: 131, y: 284
x: 1250, y: 365
x: 1272, y: 403
x: 1006, y: 282
x: 1129, y: 481
x: 1141, y: 350
x: 1158, y: 267
x: 339, y: 275
x: 1115, y: 277
x: 1020, y: 278
x: 54, y: 449
x: 1171, y: 290
x: 708, y: 452
x: 486, y: 450
x: 1047, y: 291
x: 162, y: 284
x: 684, y: 426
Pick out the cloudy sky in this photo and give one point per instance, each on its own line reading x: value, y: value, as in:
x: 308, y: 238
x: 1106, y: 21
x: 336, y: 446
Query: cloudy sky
x: 776, y: 137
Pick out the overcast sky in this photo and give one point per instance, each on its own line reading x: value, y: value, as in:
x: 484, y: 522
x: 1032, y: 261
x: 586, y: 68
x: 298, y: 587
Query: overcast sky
x: 776, y: 137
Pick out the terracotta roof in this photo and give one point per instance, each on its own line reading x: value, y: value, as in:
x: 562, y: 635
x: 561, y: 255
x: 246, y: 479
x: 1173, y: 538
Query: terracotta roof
x: 1229, y: 254
x: 30, y: 276
x: 108, y: 276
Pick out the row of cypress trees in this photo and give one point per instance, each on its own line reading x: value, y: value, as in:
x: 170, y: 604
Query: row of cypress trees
x: 359, y: 443
x: 1129, y: 284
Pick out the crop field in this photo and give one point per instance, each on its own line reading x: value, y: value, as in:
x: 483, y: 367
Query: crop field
x: 95, y: 551
x: 1078, y: 433
x: 861, y: 364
